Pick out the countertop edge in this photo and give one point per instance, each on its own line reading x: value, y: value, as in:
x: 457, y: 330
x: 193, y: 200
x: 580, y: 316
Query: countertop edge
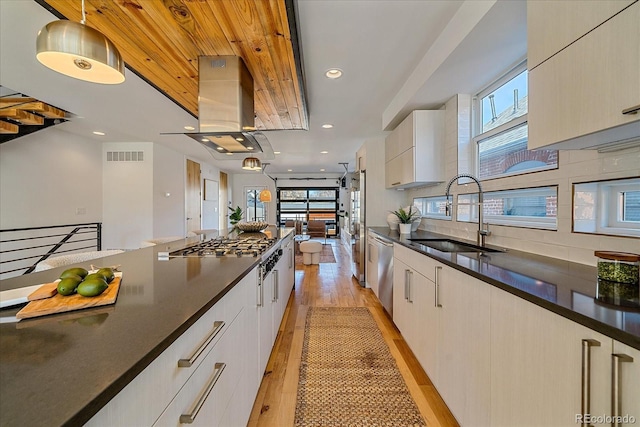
x: 591, y: 323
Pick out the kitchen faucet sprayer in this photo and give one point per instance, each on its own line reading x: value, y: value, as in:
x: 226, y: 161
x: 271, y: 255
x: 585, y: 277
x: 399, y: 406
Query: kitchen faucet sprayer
x: 482, y: 232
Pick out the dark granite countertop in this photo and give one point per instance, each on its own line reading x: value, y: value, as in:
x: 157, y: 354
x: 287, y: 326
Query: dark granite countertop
x: 61, y: 369
x: 564, y: 287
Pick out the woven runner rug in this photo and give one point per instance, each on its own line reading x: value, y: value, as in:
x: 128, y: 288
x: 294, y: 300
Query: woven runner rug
x: 326, y: 256
x: 348, y: 376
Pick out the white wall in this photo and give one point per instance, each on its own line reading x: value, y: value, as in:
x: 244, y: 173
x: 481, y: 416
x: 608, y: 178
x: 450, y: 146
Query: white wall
x: 168, y: 177
x: 128, y: 197
x: 46, y: 176
x: 379, y: 200
x: 574, y: 166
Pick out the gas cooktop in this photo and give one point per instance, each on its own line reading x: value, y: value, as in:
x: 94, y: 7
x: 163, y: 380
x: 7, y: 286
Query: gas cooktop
x: 224, y: 247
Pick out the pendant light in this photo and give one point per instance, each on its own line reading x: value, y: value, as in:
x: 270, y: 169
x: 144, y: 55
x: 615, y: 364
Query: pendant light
x: 73, y: 49
x: 265, y: 195
x: 252, y: 164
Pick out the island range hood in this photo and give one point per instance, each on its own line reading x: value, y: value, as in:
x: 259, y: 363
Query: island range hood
x: 226, y: 115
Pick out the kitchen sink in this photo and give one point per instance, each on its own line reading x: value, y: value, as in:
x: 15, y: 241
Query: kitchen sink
x: 448, y: 245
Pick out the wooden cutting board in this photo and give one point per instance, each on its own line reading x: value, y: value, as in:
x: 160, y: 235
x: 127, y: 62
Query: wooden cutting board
x: 61, y: 304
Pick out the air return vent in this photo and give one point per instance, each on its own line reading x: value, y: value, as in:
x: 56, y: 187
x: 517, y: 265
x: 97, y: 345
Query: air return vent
x: 125, y: 156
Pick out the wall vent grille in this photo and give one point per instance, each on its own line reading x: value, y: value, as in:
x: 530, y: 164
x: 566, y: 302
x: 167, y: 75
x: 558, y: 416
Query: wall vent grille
x: 125, y: 156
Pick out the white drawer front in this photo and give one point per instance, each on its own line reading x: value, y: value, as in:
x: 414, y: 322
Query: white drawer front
x: 144, y: 399
x: 206, y: 395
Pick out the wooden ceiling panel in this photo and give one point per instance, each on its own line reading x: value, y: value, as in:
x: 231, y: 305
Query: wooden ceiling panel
x: 162, y: 39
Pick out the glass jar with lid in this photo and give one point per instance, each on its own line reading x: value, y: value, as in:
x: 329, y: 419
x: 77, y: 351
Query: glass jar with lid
x: 618, y: 278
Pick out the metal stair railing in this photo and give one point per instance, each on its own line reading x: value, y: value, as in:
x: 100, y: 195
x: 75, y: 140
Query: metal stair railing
x: 19, y: 247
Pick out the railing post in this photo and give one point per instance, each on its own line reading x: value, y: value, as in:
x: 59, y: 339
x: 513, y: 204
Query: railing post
x: 99, y: 243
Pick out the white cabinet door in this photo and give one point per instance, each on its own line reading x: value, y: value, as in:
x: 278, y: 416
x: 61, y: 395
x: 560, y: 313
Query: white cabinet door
x: 464, y: 346
x: 627, y: 360
x: 553, y: 25
x: 414, y: 150
x: 266, y: 321
x: 403, y: 315
x: 536, y: 365
x: 427, y: 323
x: 584, y: 88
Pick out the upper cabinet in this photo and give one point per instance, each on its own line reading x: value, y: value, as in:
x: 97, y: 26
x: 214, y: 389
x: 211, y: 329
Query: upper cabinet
x: 584, y: 81
x: 554, y: 25
x: 414, y: 151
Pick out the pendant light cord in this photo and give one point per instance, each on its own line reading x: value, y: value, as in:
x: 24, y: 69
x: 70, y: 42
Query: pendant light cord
x: 83, y: 14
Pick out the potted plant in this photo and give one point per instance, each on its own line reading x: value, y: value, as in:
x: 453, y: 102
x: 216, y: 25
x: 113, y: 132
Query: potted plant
x: 406, y: 218
x: 236, y: 216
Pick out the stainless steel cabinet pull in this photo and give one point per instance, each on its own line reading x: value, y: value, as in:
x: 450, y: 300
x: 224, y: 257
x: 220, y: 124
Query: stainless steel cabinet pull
x: 396, y: 183
x: 616, y: 392
x: 195, y: 408
x: 406, y: 285
x: 275, y: 286
x: 586, y: 376
x: 290, y: 258
x: 186, y: 363
x: 631, y: 110
x: 260, y: 291
x: 438, y: 286
x: 410, y: 297
x: 369, y: 254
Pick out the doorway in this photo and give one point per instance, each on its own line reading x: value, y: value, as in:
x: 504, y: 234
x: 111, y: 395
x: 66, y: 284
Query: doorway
x: 193, y: 196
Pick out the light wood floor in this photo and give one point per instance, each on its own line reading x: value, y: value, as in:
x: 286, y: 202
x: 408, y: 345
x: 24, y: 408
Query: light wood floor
x: 332, y: 284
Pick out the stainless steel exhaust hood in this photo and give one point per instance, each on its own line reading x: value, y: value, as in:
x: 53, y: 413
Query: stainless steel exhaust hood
x: 226, y: 110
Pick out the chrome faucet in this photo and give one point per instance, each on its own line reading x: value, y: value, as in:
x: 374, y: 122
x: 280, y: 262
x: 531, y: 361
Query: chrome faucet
x: 482, y: 232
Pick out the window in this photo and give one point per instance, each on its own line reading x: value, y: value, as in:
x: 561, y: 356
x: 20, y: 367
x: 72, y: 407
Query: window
x: 502, y: 130
x: 527, y: 208
x: 307, y: 204
x: 432, y: 207
x: 256, y: 210
x: 607, y: 207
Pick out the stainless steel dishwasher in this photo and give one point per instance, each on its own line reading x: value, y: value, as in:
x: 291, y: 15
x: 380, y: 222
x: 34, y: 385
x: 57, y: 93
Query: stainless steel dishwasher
x: 385, y: 272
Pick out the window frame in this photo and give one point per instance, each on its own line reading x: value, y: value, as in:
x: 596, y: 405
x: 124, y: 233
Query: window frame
x: 256, y: 190
x: 532, y: 222
x: 480, y: 136
x: 608, y: 208
x: 306, y: 213
x: 421, y: 202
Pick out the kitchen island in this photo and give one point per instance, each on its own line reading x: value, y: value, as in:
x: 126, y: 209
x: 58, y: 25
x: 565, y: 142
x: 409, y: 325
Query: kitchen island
x: 62, y: 369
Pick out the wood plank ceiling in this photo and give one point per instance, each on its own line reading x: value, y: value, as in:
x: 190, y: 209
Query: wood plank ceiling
x: 161, y: 41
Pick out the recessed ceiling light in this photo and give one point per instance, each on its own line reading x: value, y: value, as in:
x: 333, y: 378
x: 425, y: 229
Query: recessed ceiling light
x: 249, y: 148
x: 276, y: 152
x: 321, y: 170
x: 204, y: 140
x: 327, y: 125
x: 239, y: 139
x: 95, y: 132
x: 324, y: 152
x: 333, y: 73
x: 229, y: 154
x: 219, y: 148
x: 189, y: 128
x: 289, y: 170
